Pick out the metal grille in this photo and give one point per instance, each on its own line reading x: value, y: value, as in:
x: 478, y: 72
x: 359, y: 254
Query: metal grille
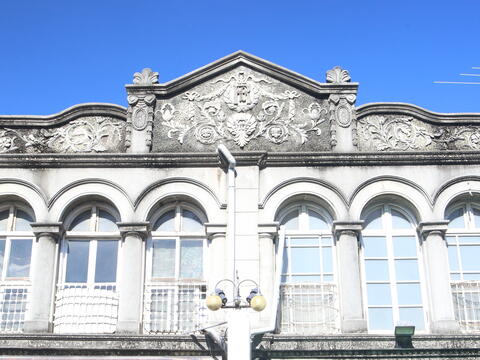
x: 309, y: 309
x: 466, y: 301
x: 13, y: 305
x: 82, y: 308
x: 174, y: 307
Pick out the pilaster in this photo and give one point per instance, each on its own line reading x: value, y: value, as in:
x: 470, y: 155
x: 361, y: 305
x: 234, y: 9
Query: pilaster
x: 267, y: 233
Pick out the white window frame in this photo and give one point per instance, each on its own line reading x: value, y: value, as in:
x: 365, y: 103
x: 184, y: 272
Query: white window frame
x: 93, y: 236
x: 388, y: 232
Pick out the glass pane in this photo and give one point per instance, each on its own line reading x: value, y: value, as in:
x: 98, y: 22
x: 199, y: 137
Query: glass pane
x: 305, y: 279
x: 304, y: 241
x: 327, y: 240
x: 163, y: 258
x: 399, y: 221
x: 22, y: 221
x: 379, y: 294
x: 452, y: 258
x: 472, y: 276
x: 291, y: 220
x: 106, y: 262
x: 77, y: 261
x: 4, y: 220
x: 406, y: 269
x: 327, y: 259
x: 285, y: 261
x: 470, y: 258
x: 191, y: 222
x: 476, y: 217
x: 106, y: 222
x: 327, y: 278
x: 374, y: 220
x: 375, y: 246
x: 166, y: 222
x: 316, y: 221
x: 305, y: 260
x: 380, y: 319
x: 376, y: 270
x: 469, y: 239
x: 405, y: 246
x: 81, y: 222
x: 409, y: 294
x: 451, y: 239
x: 2, y: 254
x: 413, y: 316
x: 191, y: 259
x: 456, y: 219
x: 19, y: 260
x: 454, y: 276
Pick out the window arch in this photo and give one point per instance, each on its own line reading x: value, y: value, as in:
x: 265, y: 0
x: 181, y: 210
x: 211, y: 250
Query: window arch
x: 175, y: 287
x: 89, y: 255
x: 16, y: 243
x: 308, y: 292
x: 393, y: 276
x: 463, y: 241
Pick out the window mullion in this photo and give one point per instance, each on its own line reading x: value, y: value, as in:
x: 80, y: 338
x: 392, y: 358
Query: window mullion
x: 11, y: 219
x: 177, y: 258
x: 92, y: 261
x: 6, y: 258
x: 387, y: 223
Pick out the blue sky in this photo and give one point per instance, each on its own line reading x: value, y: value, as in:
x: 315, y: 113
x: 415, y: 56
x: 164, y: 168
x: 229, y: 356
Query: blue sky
x: 55, y: 54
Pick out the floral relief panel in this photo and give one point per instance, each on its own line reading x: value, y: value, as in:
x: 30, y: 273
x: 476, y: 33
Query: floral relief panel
x: 245, y: 110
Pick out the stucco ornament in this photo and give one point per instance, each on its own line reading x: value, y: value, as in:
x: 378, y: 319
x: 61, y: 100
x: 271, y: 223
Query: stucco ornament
x: 398, y: 133
x: 89, y: 134
x: 146, y: 77
x: 241, y: 107
x: 337, y: 75
x: 341, y: 109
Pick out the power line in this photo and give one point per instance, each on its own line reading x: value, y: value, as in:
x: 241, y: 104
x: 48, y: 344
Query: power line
x: 457, y: 82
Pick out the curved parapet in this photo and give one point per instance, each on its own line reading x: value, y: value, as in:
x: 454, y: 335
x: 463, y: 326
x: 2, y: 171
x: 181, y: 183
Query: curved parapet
x: 84, y: 128
x: 406, y: 127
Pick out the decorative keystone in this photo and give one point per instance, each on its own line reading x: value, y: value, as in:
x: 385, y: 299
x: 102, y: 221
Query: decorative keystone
x: 146, y: 77
x: 338, y: 76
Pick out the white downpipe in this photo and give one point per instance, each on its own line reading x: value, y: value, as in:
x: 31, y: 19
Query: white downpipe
x: 276, y: 286
x: 223, y: 151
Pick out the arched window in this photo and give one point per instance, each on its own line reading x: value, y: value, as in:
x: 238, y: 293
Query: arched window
x: 16, y: 241
x: 393, y: 276
x: 308, y: 293
x: 463, y: 240
x: 175, y: 287
x: 87, y: 299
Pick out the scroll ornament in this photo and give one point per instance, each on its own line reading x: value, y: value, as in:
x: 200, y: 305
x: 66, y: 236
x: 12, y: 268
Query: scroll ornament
x: 242, y: 108
x: 89, y: 134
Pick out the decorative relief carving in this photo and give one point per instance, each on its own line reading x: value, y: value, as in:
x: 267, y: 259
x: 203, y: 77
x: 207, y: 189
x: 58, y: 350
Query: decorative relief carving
x: 88, y: 134
x: 337, y: 75
x: 399, y: 133
x: 242, y: 107
x: 146, y: 77
x: 341, y: 109
x: 140, y: 115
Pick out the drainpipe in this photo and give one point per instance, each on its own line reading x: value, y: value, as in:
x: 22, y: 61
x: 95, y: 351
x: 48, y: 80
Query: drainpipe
x: 228, y: 157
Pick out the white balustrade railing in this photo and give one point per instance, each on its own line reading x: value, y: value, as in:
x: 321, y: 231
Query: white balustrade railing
x: 174, y: 307
x: 309, y: 309
x: 86, y: 308
x: 466, y: 302
x: 14, y: 302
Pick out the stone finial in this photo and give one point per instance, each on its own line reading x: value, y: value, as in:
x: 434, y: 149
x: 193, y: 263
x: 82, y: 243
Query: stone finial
x: 338, y: 75
x: 146, y: 77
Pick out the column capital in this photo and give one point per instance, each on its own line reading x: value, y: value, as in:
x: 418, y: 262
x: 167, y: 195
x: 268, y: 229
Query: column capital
x: 426, y: 228
x: 269, y: 229
x: 52, y: 229
x: 354, y: 227
x: 140, y: 229
x: 215, y: 229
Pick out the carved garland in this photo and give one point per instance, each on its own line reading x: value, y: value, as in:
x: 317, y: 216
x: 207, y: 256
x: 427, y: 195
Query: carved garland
x: 227, y: 113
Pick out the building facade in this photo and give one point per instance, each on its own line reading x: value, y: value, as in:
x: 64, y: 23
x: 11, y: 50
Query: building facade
x: 351, y: 219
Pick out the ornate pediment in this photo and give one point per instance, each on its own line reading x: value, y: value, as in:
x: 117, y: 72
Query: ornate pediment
x: 244, y: 102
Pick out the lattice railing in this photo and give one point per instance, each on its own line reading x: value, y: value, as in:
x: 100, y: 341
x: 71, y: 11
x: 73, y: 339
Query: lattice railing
x: 14, y: 302
x: 174, y: 307
x: 466, y: 301
x: 309, y: 309
x: 82, y: 308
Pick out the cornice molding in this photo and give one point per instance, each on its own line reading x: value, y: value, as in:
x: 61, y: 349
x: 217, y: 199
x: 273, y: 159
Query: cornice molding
x: 69, y: 114
x: 417, y: 112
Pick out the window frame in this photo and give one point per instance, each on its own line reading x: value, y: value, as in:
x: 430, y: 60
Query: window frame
x: 304, y: 231
x: 93, y: 237
x: 179, y: 236
x: 388, y: 232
